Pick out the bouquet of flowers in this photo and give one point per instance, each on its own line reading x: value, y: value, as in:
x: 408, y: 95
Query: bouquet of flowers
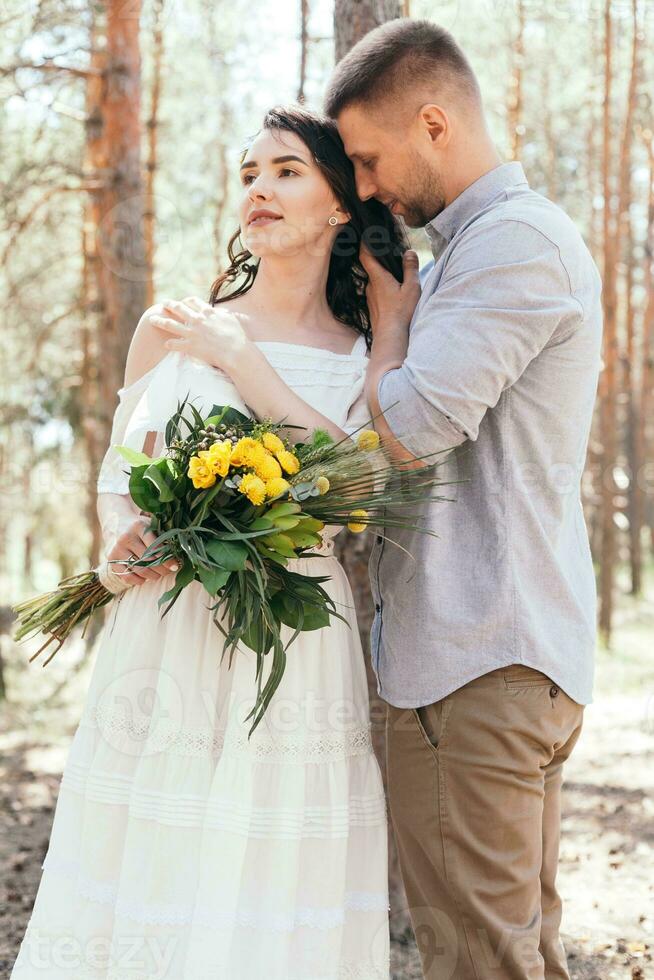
x: 233, y: 502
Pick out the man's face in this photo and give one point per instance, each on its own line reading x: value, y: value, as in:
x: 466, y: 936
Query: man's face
x: 395, y: 167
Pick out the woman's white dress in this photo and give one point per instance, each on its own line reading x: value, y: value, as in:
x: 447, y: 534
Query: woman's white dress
x: 179, y: 849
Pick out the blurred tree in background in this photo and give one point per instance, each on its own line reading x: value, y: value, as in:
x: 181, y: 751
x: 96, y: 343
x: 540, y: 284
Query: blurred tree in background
x: 120, y: 128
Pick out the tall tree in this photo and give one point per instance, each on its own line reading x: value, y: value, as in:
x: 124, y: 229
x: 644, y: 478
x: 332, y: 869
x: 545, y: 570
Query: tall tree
x: 626, y: 239
x: 95, y: 416
x: 121, y: 237
x: 608, y: 377
x: 352, y: 20
x: 149, y: 216
x: 304, y: 48
x: 515, y: 101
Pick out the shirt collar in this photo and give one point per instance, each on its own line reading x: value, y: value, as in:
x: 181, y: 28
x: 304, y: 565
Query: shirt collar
x: 476, y: 196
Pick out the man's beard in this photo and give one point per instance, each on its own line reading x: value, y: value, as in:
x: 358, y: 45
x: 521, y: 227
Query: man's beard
x: 424, y: 199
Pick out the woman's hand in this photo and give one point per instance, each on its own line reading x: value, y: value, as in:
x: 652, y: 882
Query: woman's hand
x: 132, y: 541
x: 391, y: 303
x: 207, y: 332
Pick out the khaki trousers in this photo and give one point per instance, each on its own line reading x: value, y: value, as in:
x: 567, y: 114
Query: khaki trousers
x: 474, y: 793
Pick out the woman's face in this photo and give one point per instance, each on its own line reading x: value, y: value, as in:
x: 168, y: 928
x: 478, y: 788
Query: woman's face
x: 280, y: 176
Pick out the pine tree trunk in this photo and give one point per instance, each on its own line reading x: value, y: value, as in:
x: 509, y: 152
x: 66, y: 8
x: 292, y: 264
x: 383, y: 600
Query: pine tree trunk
x: 149, y: 216
x: 304, y: 48
x: 352, y: 20
x: 607, y: 386
x: 515, y: 100
x: 121, y: 234
x: 94, y: 411
x: 645, y: 505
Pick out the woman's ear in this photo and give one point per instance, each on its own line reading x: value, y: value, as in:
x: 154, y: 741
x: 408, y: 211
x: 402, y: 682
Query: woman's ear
x: 343, y: 214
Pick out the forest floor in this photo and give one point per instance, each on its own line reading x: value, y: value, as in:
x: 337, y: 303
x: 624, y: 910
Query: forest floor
x: 606, y: 875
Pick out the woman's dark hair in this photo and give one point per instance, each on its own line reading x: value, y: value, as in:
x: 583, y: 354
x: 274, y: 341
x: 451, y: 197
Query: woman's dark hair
x: 370, y: 222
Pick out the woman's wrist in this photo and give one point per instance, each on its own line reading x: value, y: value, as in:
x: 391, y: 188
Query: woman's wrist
x: 236, y: 361
x: 240, y: 364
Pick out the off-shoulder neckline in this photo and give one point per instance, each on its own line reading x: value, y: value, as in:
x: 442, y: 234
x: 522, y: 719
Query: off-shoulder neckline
x: 319, y: 350
x: 354, y: 353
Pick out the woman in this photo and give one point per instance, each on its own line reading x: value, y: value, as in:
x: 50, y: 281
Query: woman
x: 181, y: 850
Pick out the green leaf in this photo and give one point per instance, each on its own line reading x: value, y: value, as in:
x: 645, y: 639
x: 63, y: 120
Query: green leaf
x: 283, y: 510
x: 261, y: 524
x: 270, y: 554
x: 231, y: 555
x: 231, y: 416
x: 286, y: 523
x: 213, y: 579
x: 154, y: 474
x: 295, y: 614
x: 281, y: 543
x: 310, y: 524
x: 184, y: 577
x: 304, y: 539
x: 133, y: 457
x: 142, y: 491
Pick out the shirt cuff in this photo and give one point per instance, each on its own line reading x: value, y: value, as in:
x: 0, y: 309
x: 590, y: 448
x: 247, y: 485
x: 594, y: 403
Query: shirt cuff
x: 417, y: 424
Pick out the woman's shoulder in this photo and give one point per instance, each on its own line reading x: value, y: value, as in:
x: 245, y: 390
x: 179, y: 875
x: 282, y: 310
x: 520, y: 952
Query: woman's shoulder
x: 146, y: 347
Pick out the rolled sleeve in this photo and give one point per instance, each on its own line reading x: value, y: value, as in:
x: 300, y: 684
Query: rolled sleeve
x: 503, y: 296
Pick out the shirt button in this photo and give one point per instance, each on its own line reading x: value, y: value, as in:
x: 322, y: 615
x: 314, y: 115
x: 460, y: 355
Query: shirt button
x: 554, y: 690
x: 377, y: 607
x: 379, y: 539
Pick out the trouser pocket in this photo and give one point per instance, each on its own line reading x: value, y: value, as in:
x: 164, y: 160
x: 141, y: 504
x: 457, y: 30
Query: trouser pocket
x: 431, y: 720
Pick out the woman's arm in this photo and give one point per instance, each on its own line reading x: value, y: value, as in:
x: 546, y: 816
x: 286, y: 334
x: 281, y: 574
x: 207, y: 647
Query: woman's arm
x: 216, y: 336
x: 268, y: 395
x: 122, y: 523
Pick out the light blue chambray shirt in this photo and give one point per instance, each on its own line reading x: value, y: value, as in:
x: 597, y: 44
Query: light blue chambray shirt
x: 502, y: 367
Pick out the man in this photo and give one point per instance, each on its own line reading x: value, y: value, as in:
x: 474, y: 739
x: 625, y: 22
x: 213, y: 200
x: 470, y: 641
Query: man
x: 483, y: 637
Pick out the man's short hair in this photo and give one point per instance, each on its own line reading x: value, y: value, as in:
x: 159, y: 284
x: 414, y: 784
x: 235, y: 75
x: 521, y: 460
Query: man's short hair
x: 396, y: 57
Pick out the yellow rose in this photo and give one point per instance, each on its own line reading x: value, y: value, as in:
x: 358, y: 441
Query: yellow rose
x: 218, y: 457
x: 323, y: 484
x: 201, y: 472
x: 368, y: 440
x: 273, y: 442
x: 356, y: 526
x: 268, y: 468
x: 277, y: 486
x: 290, y: 462
x: 253, y: 487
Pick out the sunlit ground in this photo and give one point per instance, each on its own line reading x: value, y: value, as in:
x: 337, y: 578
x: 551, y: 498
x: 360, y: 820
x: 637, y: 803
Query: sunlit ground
x: 607, y: 846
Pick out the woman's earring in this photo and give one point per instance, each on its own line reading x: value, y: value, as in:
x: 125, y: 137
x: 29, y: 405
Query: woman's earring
x: 333, y: 220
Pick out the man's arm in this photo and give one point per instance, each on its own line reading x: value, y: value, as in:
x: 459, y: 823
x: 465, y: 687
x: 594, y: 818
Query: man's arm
x: 503, y: 296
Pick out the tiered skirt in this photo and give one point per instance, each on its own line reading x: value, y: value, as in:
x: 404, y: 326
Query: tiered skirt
x: 182, y: 850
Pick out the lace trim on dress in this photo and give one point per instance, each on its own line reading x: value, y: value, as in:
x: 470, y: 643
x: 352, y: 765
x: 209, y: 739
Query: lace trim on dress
x: 215, y: 917
x: 331, y: 821
x: 163, y: 735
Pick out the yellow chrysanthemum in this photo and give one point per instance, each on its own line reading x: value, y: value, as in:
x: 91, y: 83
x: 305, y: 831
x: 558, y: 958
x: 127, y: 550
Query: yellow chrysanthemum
x: 290, y: 462
x: 247, y: 452
x: 323, y: 484
x: 218, y: 457
x: 277, y: 486
x: 201, y: 472
x: 273, y: 442
x: 356, y: 526
x: 368, y: 440
x: 268, y: 468
x: 253, y: 487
